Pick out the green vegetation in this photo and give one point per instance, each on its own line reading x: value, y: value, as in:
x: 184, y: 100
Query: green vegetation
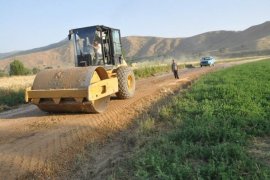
x: 153, y: 70
x: 35, y: 70
x: 17, y: 68
x: 150, y: 71
x: 205, y: 133
x: 10, y: 98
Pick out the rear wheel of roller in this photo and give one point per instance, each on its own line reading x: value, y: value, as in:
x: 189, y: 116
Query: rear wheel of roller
x: 126, y: 82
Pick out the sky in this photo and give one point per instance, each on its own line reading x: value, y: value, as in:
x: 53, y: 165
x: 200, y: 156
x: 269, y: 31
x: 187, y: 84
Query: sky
x: 27, y: 24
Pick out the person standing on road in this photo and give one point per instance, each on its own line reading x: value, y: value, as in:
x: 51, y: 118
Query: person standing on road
x: 175, y: 69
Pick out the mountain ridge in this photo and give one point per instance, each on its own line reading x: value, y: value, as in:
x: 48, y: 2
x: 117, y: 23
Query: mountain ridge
x: 218, y: 43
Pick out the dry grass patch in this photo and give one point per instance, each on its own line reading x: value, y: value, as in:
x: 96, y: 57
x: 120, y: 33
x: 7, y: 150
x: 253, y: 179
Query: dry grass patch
x: 16, y: 82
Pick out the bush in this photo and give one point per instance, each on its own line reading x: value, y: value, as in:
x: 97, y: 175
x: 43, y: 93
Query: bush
x: 35, y: 70
x: 17, y: 68
x: 10, y: 98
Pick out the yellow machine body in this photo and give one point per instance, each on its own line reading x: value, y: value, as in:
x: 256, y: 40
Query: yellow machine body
x: 100, y: 71
x: 83, y: 89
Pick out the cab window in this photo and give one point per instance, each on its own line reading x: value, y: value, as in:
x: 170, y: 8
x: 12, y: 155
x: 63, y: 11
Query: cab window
x: 116, y: 42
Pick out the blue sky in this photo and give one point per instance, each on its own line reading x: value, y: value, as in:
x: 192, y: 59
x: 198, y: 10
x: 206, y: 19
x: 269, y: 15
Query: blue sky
x: 29, y: 24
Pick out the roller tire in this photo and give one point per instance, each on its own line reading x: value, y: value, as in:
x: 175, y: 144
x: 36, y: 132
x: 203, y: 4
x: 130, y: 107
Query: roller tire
x: 126, y: 82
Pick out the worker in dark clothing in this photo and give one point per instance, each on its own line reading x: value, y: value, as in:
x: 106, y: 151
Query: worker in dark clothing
x: 175, y: 69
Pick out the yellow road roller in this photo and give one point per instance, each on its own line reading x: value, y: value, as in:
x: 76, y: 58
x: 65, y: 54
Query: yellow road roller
x: 100, y: 71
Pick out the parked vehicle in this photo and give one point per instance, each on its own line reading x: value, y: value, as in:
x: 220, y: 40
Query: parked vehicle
x: 207, y: 61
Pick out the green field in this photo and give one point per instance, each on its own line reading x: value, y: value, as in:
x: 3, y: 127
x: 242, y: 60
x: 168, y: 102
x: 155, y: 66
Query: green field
x: 207, y: 131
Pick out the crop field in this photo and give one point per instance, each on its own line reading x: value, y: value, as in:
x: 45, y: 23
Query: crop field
x: 208, y: 131
x: 16, y: 82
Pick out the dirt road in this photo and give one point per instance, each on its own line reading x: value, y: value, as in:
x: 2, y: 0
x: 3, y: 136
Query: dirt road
x: 32, y: 140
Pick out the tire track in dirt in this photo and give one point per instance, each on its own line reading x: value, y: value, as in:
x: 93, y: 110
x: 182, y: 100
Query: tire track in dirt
x: 31, y: 140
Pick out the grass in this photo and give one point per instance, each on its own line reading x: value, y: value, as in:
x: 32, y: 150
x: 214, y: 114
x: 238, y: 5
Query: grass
x: 144, y: 72
x: 150, y: 71
x: 10, y: 98
x: 12, y: 90
x: 16, y: 82
x: 206, y: 132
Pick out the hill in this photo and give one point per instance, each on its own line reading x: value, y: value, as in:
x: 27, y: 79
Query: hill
x: 252, y: 41
x: 219, y: 43
x: 55, y: 55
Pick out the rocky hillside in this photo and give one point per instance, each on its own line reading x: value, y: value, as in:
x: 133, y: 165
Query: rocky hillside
x: 55, y: 55
x: 253, y: 40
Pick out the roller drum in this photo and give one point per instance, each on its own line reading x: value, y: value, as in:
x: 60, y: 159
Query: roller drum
x: 70, y: 78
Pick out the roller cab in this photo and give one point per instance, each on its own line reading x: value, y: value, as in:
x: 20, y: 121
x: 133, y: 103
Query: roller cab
x: 99, y: 72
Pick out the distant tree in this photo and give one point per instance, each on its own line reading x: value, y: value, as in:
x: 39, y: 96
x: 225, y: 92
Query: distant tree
x: 17, y: 68
x: 35, y: 70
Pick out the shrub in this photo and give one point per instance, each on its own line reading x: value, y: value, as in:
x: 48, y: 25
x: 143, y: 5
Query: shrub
x: 10, y: 98
x: 35, y: 70
x: 17, y: 68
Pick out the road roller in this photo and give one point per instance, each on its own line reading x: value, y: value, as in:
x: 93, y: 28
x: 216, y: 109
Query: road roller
x: 100, y: 71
